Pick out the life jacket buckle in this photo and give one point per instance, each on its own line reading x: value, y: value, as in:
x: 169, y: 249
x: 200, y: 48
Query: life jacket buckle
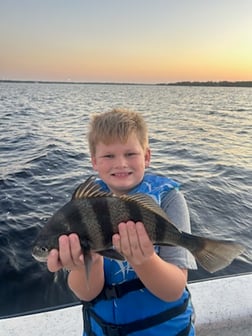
x: 111, y: 292
x: 112, y: 330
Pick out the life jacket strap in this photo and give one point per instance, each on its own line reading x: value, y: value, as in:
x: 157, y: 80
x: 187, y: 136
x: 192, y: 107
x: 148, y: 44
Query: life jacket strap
x: 110, y: 329
x: 116, y: 291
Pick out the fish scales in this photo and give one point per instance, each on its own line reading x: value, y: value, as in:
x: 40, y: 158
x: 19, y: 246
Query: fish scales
x: 111, y: 211
x: 91, y: 231
x: 144, y: 216
x: 103, y: 225
x: 156, y: 226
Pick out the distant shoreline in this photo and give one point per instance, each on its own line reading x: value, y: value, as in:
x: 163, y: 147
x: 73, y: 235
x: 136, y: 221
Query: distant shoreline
x: 210, y: 83
x: 184, y: 83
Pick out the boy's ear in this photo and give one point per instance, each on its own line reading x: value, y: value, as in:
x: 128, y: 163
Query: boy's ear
x: 93, y: 161
x: 147, y: 157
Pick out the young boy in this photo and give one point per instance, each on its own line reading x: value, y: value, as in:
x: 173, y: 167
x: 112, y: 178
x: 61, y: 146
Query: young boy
x: 145, y: 295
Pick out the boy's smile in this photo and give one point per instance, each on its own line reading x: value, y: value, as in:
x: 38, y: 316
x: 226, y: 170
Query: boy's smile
x: 121, y: 165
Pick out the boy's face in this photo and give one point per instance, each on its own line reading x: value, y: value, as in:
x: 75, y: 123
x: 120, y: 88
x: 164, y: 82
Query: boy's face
x: 121, y: 165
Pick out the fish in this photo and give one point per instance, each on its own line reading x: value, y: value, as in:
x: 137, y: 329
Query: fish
x: 94, y: 216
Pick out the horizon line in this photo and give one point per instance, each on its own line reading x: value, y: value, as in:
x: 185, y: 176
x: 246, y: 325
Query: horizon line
x: 178, y: 83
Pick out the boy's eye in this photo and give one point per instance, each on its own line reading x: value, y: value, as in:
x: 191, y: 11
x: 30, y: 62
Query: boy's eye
x: 111, y: 156
x: 130, y: 154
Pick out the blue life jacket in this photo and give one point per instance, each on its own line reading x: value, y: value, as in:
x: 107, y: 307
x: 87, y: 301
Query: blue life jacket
x: 125, y: 306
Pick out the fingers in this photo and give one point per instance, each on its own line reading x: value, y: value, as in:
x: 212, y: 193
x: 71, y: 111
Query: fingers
x: 53, y: 262
x: 146, y: 243
x: 69, y: 255
x: 133, y: 242
x: 121, y: 240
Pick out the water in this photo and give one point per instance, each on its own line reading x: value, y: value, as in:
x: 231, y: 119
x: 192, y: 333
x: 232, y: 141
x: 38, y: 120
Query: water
x: 200, y: 136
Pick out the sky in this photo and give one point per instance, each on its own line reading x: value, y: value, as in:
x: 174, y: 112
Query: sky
x: 138, y: 41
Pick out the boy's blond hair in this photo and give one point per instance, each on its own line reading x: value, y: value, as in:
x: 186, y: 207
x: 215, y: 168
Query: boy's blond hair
x: 114, y: 125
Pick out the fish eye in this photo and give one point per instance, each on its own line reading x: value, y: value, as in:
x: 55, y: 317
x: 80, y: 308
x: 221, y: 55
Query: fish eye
x: 44, y: 249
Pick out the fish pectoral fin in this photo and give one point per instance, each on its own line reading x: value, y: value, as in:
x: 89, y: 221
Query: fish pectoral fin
x: 111, y: 253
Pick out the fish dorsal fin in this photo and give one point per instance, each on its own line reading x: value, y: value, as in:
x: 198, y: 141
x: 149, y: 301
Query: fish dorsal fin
x: 146, y: 202
x: 89, y: 189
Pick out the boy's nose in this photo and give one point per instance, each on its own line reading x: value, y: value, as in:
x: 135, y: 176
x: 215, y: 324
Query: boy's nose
x: 121, y: 161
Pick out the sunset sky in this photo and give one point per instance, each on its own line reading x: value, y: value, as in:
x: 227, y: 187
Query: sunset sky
x: 143, y: 41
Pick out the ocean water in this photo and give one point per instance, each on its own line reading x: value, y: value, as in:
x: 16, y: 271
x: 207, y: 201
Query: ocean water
x: 200, y: 136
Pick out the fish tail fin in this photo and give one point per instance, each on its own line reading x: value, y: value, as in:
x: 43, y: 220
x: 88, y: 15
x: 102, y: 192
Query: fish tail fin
x: 214, y: 255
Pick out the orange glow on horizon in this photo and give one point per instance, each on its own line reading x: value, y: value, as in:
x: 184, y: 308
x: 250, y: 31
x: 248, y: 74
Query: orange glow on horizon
x: 157, y: 43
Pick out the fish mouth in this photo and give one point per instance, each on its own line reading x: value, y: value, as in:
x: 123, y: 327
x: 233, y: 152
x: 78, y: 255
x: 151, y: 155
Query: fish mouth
x: 40, y: 258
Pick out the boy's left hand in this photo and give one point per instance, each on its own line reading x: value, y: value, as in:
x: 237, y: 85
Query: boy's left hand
x: 133, y: 242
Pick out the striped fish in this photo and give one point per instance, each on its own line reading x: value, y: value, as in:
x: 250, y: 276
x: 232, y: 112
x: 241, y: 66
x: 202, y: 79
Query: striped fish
x: 94, y: 215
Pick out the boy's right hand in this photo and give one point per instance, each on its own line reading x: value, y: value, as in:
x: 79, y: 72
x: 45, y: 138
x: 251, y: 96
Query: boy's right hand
x: 68, y: 256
